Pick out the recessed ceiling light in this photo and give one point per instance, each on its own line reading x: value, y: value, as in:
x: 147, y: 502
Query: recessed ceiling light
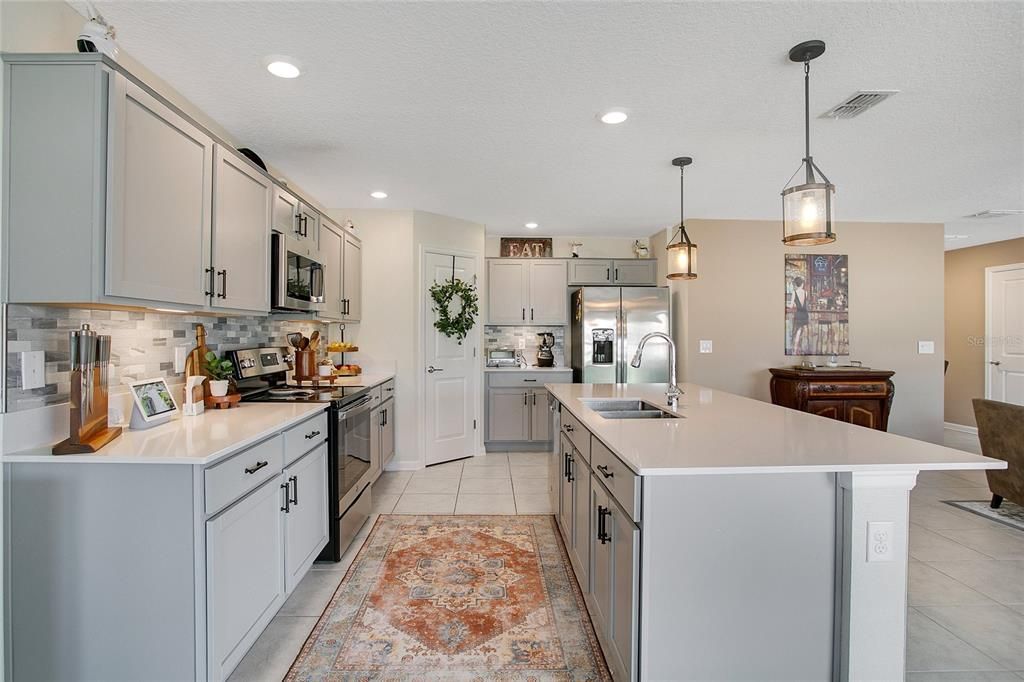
x: 531, y: 226
x: 282, y: 67
x: 379, y: 195
x: 614, y: 117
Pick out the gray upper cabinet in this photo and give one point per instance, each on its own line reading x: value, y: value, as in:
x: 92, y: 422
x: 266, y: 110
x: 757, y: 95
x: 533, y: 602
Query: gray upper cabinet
x: 635, y: 272
x: 332, y: 246
x: 286, y: 213
x: 584, y: 271
x: 622, y: 272
x: 352, y: 279
x: 549, y: 301
x: 158, y: 200
x: 307, y: 230
x: 507, y: 291
x: 241, y: 235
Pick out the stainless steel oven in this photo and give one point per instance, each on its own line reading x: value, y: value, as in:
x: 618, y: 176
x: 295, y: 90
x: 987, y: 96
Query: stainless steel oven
x: 355, y: 463
x: 296, y: 278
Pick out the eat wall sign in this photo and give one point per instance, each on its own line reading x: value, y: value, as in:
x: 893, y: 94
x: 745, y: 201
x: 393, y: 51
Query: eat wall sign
x: 526, y: 247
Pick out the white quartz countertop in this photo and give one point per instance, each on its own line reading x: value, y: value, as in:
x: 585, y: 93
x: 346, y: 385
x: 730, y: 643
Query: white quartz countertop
x: 723, y: 433
x: 511, y: 370
x: 198, y: 440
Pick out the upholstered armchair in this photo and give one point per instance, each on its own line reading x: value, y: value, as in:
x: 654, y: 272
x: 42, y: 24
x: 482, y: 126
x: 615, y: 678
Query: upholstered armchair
x: 1001, y: 432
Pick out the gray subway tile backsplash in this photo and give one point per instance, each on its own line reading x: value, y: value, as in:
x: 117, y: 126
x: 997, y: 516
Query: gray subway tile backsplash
x: 142, y: 344
x: 509, y: 337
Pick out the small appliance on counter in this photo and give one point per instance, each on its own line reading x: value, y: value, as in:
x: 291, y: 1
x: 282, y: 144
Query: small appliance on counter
x: 89, y: 355
x: 545, y: 356
x: 502, y: 357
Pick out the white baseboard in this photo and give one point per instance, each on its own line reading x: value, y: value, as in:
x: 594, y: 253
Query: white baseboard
x: 403, y: 466
x: 962, y: 428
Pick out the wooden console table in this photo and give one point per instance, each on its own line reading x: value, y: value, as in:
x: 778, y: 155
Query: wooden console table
x: 857, y: 396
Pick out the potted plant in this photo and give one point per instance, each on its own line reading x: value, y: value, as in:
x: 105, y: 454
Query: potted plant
x: 219, y: 371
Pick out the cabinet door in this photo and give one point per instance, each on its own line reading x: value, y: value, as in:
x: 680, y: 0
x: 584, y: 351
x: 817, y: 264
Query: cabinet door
x: 507, y: 286
x: 833, y: 409
x: 564, y: 509
x: 864, y: 413
x: 241, y: 235
x: 602, y: 566
x: 160, y: 170
x: 548, y: 293
x: 508, y: 412
x: 387, y: 433
x: 376, y: 436
x: 581, y: 520
x: 635, y: 272
x: 308, y: 228
x: 332, y: 246
x: 540, y: 416
x: 589, y: 271
x: 244, y: 574
x: 625, y: 544
x: 286, y: 213
x: 554, y: 473
x: 352, y: 287
x: 305, y: 523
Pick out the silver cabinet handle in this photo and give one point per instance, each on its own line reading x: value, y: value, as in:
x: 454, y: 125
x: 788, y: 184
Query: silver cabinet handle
x: 431, y: 369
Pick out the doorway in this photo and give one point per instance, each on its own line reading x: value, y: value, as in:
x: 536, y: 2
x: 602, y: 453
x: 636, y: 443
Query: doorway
x: 1004, y: 333
x: 449, y: 368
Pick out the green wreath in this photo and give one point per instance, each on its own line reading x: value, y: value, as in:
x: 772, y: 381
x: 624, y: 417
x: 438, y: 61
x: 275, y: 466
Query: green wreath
x: 443, y: 293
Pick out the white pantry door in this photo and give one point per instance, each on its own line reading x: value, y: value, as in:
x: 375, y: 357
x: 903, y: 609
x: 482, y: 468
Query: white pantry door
x: 1005, y: 334
x: 450, y: 371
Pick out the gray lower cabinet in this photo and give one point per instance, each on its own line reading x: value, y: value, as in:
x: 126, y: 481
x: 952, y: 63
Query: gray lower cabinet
x: 387, y: 431
x: 508, y: 414
x: 564, y: 508
x: 517, y: 406
x: 580, y: 547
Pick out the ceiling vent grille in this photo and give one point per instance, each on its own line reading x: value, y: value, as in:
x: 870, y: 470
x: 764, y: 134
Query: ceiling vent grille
x: 997, y: 213
x: 859, y: 102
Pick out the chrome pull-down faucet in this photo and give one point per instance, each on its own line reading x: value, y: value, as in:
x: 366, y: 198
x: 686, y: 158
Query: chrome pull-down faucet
x: 673, y: 392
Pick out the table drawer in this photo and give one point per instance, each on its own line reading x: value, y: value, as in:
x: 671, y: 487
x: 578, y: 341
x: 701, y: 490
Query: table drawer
x: 515, y: 379
x: 577, y: 433
x: 226, y: 481
x: 620, y: 480
x: 303, y: 437
x: 848, y: 388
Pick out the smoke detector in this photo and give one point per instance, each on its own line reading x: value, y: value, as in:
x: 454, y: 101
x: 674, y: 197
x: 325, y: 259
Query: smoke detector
x: 997, y: 213
x: 859, y: 102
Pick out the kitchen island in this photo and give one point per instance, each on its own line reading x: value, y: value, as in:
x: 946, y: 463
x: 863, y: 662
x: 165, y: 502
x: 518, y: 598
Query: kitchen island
x: 727, y: 538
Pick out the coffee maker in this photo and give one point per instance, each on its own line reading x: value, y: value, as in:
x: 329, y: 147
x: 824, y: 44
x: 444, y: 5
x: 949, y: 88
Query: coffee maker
x: 545, y: 357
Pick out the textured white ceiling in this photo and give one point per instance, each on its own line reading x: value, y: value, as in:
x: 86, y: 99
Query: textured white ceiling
x: 486, y: 110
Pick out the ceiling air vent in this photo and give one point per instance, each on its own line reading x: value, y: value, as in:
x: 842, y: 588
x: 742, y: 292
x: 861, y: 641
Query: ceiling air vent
x: 997, y: 213
x: 859, y: 102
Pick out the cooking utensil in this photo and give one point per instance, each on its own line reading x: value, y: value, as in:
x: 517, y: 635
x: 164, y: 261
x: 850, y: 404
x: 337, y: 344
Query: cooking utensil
x: 294, y: 339
x: 314, y: 340
x: 304, y: 343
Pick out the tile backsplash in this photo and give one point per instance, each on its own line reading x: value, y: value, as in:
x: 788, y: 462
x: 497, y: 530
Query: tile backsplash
x: 509, y: 337
x: 142, y: 344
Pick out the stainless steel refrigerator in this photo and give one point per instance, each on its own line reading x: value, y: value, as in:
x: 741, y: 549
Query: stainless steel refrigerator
x: 606, y: 326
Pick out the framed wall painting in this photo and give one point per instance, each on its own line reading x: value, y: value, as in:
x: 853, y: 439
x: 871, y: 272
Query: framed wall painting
x: 817, y: 304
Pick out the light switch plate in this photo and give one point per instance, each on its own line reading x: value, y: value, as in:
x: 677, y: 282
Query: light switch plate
x: 880, y: 541
x: 706, y: 346
x: 926, y: 347
x: 180, y: 353
x: 33, y: 371
x: 522, y: 344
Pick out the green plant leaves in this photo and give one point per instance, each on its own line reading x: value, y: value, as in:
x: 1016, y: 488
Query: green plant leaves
x: 455, y: 324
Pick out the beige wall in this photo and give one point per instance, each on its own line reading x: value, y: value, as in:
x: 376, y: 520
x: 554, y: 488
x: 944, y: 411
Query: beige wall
x: 593, y: 247
x: 895, y: 301
x: 965, y: 322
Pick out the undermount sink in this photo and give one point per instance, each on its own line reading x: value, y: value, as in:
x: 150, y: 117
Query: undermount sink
x: 628, y: 409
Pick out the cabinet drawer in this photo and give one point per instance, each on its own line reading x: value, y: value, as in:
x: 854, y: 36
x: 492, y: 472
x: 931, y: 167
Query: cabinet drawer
x: 851, y: 388
x: 302, y: 438
x: 617, y: 477
x: 577, y: 433
x: 387, y: 389
x: 527, y: 379
x: 232, y: 478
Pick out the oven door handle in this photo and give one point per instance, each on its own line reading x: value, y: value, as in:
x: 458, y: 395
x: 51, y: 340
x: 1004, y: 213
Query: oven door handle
x: 360, y: 405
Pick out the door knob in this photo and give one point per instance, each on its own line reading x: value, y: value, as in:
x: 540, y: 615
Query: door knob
x: 431, y: 369
x: 995, y: 362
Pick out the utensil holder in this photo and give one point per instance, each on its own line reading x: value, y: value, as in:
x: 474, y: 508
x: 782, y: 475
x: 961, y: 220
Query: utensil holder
x: 305, y: 364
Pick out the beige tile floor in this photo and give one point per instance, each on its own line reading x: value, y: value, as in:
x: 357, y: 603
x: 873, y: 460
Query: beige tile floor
x: 966, y: 593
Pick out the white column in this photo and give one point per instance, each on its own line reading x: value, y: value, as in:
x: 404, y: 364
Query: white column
x: 871, y: 611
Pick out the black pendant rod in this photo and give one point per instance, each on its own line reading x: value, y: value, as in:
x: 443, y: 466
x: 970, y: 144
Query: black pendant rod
x: 682, y: 162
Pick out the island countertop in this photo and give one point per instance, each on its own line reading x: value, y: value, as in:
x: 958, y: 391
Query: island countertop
x: 201, y: 440
x: 723, y: 433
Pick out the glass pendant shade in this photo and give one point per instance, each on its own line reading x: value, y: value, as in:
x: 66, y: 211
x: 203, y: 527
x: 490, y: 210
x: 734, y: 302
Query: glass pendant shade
x: 682, y: 260
x: 807, y: 214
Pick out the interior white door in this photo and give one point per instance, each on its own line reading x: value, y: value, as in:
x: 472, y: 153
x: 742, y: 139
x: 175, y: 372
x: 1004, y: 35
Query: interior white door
x: 449, y: 370
x: 1005, y: 334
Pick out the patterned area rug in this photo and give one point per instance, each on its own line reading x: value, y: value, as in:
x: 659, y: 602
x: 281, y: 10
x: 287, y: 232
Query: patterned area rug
x: 1008, y: 513
x: 455, y: 598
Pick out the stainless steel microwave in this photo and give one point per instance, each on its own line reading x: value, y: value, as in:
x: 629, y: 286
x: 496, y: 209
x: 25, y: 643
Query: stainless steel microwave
x: 296, y: 279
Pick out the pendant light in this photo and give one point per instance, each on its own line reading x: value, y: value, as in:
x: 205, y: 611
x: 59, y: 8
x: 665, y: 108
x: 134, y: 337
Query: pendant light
x: 682, y: 254
x: 807, y: 208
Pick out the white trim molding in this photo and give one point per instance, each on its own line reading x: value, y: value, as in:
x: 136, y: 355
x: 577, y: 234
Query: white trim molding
x: 960, y: 428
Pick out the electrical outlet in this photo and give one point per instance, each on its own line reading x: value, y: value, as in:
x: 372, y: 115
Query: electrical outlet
x: 926, y: 347
x: 880, y: 540
x: 522, y: 344
x: 33, y: 371
x: 180, y: 353
x: 705, y: 346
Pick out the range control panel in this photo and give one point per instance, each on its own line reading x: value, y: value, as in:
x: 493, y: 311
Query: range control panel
x: 254, y: 362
